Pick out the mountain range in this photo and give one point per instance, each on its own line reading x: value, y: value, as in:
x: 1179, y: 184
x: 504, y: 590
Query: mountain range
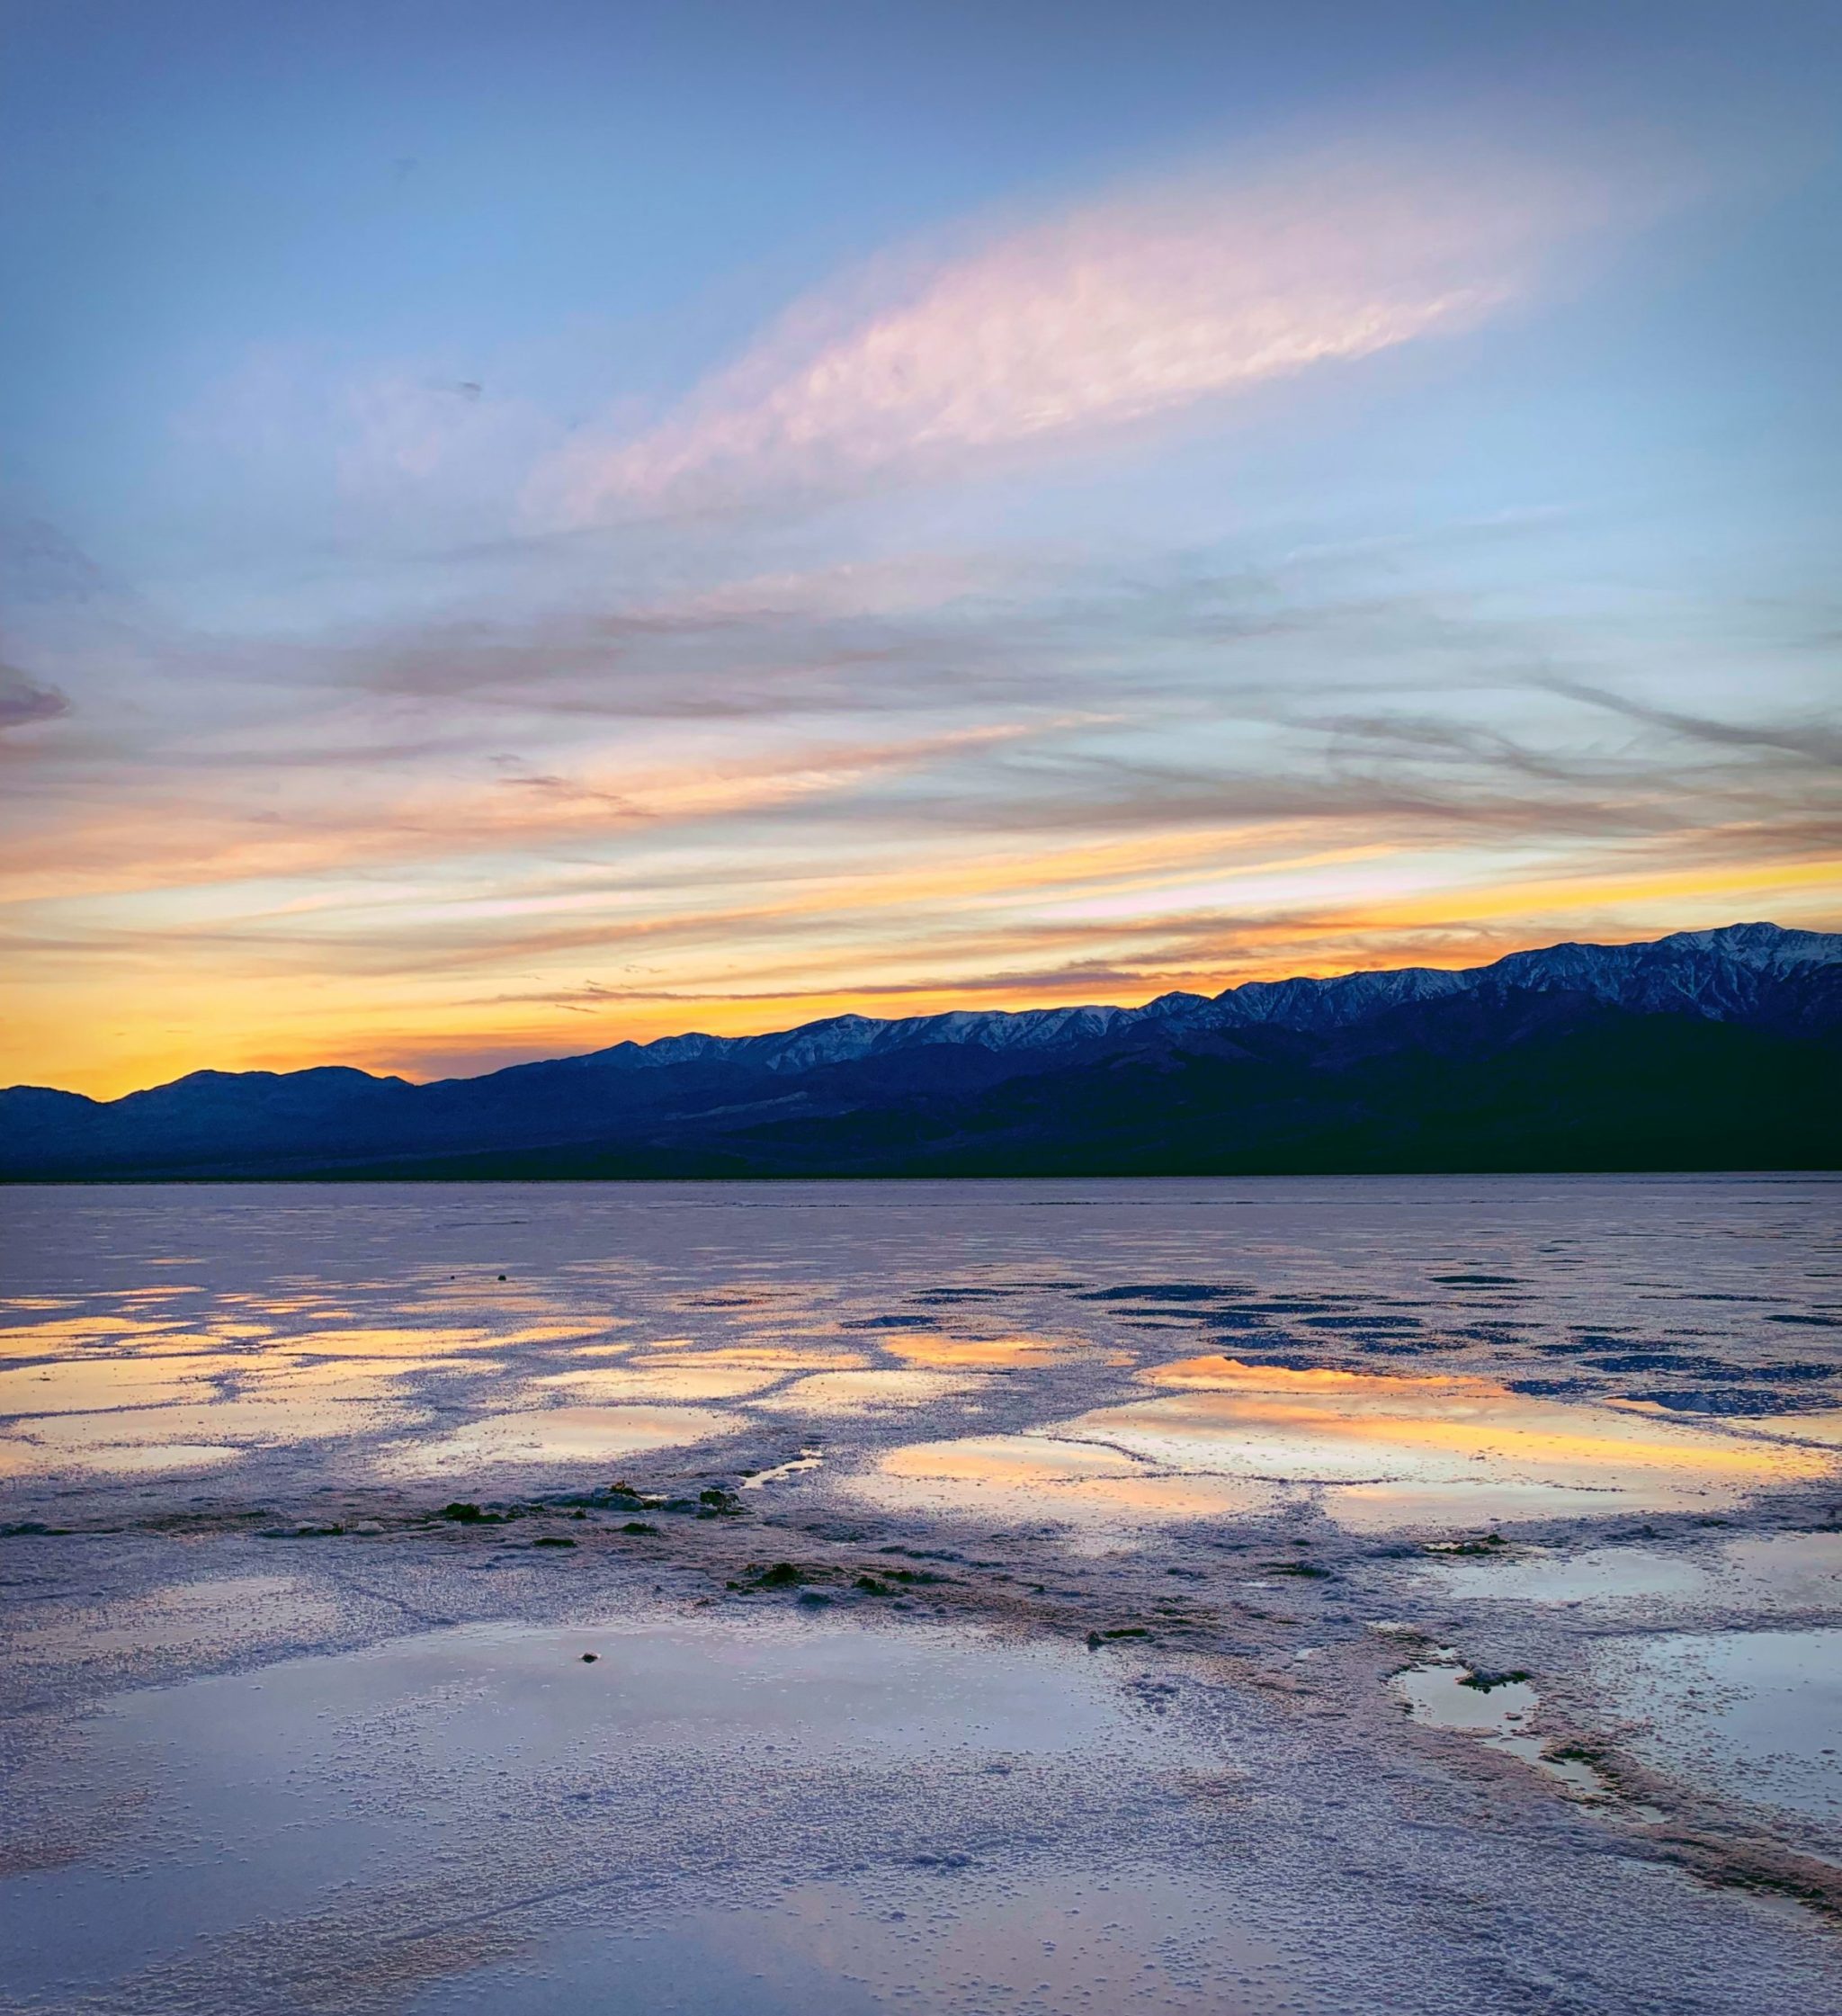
x: 1703, y: 1050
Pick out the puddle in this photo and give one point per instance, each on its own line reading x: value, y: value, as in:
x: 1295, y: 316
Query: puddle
x: 145, y: 1424
x: 351, y: 1378
x: 1797, y: 1569
x: 1821, y: 1427
x: 761, y: 1357
x: 469, y: 1774
x: 1446, y: 1696
x: 860, y: 1393
x: 23, y: 1458
x: 1754, y: 1715
x: 1462, y: 1505
x: 59, y: 1333
x: 1392, y: 1451
x: 1039, y: 1479
x: 549, y: 1333
x: 686, y: 1380
x: 924, y: 1347
x: 1007, y: 1459
x: 312, y: 1417
x: 425, y: 1341
x: 200, y: 1618
x: 83, y: 1386
x: 1064, y: 1943
x: 794, y: 1467
x: 1778, y: 1571
x: 560, y: 1435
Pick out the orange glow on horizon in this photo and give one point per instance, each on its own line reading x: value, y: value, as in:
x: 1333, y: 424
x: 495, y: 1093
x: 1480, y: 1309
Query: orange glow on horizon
x: 451, y: 975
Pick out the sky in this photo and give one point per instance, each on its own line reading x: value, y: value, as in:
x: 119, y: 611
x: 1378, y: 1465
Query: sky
x: 522, y: 526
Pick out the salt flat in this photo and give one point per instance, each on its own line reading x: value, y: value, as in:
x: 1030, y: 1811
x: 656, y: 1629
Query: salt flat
x: 1226, y: 1595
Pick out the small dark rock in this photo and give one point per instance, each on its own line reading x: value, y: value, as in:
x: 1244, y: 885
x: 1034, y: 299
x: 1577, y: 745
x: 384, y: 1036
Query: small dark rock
x: 1483, y: 1681
x: 463, y: 1513
x: 638, y: 1526
x: 1487, y: 1543
x: 781, y: 1575
x: 553, y: 1540
x: 589, y: 1658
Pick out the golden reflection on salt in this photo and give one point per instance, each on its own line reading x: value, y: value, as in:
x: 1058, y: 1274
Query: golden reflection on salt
x: 350, y: 1378
x: 21, y: 1458
x: 30, y: 1339
x: 560, y: 1435
x: 664, y: 1382
x: 924, y: 1347
x: 1216, y: 1372
x: 254, y: 1419
x: 550, y: 1334
x: 1046, y: 1479
x: 762, y: 1356
x: 1006, y: 1459
x: 1821, y: 1427
x: 419, y: 1343
x: 857, y: 1392
x: 83, y: 1386
x: 1394, y: 1449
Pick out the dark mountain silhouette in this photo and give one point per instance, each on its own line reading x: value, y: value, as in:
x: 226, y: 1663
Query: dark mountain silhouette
x: 1708, y: 1049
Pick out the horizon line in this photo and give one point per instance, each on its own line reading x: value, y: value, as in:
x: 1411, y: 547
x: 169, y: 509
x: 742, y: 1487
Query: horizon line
x: 850, y: 1014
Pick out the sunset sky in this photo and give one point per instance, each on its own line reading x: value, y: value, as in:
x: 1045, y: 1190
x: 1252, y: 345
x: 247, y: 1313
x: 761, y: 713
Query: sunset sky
x: 531, y: 524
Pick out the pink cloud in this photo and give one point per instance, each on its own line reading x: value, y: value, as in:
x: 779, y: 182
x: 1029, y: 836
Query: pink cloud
x: 1113, y: 313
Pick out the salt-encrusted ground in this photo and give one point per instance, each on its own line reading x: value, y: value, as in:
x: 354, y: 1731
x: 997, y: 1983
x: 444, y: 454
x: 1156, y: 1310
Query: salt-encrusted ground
x: 1022, y: 1596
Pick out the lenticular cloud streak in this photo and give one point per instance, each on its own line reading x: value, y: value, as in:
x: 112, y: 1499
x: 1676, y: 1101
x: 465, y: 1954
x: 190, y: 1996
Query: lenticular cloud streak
x: 1113, y: 313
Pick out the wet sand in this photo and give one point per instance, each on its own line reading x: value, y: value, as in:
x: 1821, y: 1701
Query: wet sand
x: 1200, y: 1596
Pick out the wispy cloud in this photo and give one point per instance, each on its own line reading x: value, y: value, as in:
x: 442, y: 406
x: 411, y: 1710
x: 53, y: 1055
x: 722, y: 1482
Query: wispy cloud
x: 1118, y: 311
x: 23, y: 700
x: 1816, y: 739
x: 444, y: 784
